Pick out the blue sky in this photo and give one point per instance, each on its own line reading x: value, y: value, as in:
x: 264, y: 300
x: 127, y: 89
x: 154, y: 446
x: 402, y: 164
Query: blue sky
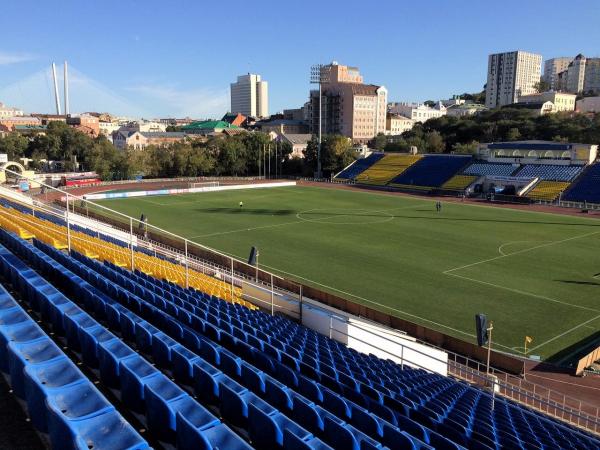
x: 176, y: 58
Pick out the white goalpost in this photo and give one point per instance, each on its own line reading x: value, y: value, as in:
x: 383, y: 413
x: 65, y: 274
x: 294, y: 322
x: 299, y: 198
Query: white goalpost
x: 203, y: 184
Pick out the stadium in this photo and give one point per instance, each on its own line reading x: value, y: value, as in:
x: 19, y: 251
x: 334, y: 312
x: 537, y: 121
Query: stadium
x: 252, y: 313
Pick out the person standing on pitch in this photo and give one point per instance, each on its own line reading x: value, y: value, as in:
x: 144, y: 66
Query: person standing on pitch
x: 241, y: 205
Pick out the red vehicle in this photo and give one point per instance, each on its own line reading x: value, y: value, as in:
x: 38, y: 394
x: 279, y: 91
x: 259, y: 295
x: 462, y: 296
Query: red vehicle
x: 80, y: 181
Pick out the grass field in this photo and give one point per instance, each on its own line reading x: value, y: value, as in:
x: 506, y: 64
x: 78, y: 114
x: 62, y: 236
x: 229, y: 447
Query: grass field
x: 531, y: 273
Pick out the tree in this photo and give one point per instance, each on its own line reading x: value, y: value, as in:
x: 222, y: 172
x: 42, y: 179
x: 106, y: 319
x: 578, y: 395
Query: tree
x: 434, y: 143
x: 380, y: 141
x: 541, y: 86
x: 336, y: 153
x: 466, y: 149
x: 429, y: 103
x: 513, y: 134
x: 14, y: 145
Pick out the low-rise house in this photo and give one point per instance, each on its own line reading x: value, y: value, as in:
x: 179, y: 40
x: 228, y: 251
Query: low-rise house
x: 138, y: 140
x: 299, y: 142
x: 396, y: 124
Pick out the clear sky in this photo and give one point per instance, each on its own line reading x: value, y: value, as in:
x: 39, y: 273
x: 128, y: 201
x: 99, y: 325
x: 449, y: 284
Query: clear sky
x: 177, y: 58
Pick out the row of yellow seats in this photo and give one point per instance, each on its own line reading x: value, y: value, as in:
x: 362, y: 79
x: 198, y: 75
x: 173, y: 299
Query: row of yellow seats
x: 386, y: 169
x: 547, y: 190
x: 459, y: 182
x: 90, y: 246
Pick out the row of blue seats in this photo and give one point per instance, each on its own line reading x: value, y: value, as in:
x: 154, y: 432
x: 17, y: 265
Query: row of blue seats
x: 586, y: 188
x: 236, y: 334
x: 432, y: 170
x: 494, y: 169
x: 165, y: 352
x: 271, y: 389
x: 165, y: 405
x: 61, y: 401
x: 508, y: 432
x: 359, y: 166
x: 280, y: 323
x: 549, y: 172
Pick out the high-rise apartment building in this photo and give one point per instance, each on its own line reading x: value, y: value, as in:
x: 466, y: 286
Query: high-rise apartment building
x: 348, y: 106
x: 552, y: 68
x: 510, y: 75
x: 250, y: 96
x: 581, y: 75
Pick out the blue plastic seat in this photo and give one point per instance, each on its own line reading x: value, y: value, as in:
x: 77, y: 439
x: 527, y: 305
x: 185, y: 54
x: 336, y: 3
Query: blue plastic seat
x: 266, y: 430
x: 69, y: 407
x: 26, y: 353
x: 163, y: 399
x: 134, y: 374
x: 26, y: 331
x: 106, y: 432
x: 195, y: 436
x: 293, y: 442
x: 110, y: 353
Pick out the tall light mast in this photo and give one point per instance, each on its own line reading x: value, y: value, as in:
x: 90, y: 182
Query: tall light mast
x: 56, y: 97
x: 66, y: 80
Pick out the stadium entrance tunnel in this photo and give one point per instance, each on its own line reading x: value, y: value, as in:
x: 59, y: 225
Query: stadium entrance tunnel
x: 341, y: 216
x: 14, y: 167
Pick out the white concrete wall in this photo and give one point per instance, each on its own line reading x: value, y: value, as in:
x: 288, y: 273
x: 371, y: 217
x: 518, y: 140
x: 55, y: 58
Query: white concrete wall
x: 232, y: 187
x: 371, y: 338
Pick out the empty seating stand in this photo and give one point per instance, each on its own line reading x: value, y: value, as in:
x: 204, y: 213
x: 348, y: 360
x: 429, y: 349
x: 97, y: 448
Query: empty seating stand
x: 200, y: 372
x: 431, y: 171
x: 549, y: 172
x: 359, y: 166
x: 61, y: 401
x: 459, y: 182
x: 387, y: 168
x: 494, y: 169
x: 586, y: 188
x: 547, y: 190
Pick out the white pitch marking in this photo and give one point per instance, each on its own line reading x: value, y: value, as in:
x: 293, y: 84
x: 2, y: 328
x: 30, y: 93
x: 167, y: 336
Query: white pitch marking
x: 522, y: 251
x: 495, y: 344
x: 518, y: 291
x: 512, y: 242
x: 566, y: 332
x: 295, y: 222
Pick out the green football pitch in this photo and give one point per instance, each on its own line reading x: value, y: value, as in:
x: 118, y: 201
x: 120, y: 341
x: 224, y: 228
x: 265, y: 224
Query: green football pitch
x: 533, y: 274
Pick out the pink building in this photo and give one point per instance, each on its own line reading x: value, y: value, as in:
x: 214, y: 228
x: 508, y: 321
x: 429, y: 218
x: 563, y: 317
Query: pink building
x: 348, y: 106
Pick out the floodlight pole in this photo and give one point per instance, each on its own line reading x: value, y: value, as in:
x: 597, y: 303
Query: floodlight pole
x: 318, y: 76
x: 320, y: 130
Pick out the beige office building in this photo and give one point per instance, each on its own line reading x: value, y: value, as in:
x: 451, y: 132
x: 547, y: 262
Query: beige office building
x: 581, y: 75
x: 552, y: 68
x: 250, y: 96
x: 510, y: 75
x: 562, y: 101
x: 348, y: 106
